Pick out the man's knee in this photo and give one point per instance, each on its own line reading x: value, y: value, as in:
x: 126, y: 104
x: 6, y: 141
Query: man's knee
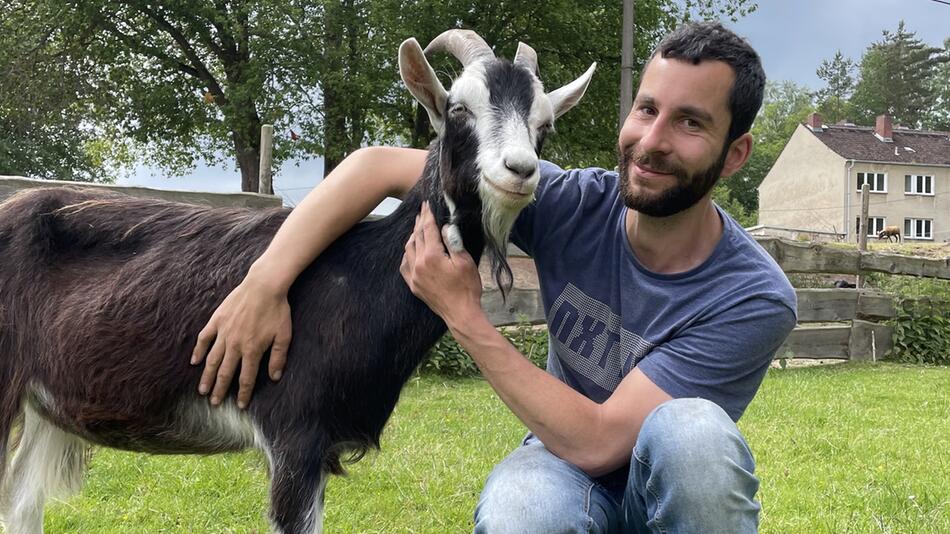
x: 691, y: 446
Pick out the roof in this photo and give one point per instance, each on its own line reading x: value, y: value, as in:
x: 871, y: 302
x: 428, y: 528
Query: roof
x: 913, y: 146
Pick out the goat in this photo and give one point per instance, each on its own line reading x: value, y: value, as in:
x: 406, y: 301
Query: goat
x: 102, y: 297
x: 889, y: 231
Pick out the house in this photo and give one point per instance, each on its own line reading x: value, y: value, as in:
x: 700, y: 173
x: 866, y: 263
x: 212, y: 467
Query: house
x: 814, y: 187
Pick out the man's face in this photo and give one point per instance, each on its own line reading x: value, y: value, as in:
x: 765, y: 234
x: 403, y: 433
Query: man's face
x: 672, y: 146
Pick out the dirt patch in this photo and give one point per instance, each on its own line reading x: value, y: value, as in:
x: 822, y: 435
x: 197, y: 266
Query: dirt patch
x: 804, y: 362
x: 912, y: 248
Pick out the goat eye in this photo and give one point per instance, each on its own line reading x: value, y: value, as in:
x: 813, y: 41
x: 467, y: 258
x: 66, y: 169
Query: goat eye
x: 459, y: 109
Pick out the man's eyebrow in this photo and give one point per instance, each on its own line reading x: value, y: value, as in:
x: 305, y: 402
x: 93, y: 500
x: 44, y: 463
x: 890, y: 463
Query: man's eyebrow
x: 691, y: 111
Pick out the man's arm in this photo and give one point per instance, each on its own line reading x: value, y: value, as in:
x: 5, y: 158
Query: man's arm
x: 598, y: 438
x: 256, y: 316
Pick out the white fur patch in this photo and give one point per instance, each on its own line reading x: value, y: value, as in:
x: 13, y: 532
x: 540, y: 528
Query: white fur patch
x: 48, y: 463
x: 218, y: 427
x: 453, y: 238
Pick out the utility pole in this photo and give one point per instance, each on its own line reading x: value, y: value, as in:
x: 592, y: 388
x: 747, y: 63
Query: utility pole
x: 626, y: 63
x: 863, y: 231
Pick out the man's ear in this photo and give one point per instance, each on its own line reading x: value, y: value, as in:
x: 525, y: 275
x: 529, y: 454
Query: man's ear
x: 421, y: 81
x: 739, y: 152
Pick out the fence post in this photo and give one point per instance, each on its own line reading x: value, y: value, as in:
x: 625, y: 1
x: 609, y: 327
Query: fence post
x: 266, y: 185
x: 863, y: 230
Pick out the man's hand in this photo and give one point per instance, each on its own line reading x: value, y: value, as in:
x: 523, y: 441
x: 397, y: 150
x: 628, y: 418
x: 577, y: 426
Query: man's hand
x: 447, y: 281
x: 250, y: 320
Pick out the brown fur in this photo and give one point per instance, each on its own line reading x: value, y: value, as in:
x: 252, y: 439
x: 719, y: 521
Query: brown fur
x: 888, y: 232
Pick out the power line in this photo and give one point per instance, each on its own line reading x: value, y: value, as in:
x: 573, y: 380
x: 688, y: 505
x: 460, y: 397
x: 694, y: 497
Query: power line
x: 944, y: 2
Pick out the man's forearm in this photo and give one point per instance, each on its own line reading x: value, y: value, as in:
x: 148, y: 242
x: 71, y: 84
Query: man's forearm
x: 347, y: 195
x: 565, y: 421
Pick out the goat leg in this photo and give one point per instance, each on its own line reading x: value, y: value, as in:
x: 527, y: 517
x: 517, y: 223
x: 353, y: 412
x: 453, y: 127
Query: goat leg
x: 297, y: 487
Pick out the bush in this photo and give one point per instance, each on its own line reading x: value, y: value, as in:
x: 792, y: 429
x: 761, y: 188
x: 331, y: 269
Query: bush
x: 448, y: 358
x: 922, y: 333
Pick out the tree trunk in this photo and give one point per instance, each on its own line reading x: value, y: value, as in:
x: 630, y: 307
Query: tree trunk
x: 247, y: 147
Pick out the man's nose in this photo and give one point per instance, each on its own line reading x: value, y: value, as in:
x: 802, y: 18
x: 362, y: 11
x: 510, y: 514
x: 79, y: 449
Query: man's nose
x: 655, y: 138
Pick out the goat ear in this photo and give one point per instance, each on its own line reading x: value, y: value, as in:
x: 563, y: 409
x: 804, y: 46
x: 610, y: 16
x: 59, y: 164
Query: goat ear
x: 566, y: 97
x: 526, y: 57
x: 421, y: 81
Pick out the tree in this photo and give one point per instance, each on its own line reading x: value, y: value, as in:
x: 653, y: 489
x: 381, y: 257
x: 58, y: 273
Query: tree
x: 938, y: 118
x: 895, y: 76
x: 42, y: 128
x: 839, y: 83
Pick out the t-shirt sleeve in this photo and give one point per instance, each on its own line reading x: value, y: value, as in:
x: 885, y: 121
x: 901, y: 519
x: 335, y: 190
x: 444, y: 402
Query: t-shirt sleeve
x: 561, y: 196
x: 722, y: 359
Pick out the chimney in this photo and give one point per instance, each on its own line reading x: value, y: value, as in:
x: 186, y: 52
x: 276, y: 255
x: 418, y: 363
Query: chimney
x: 883, y: 129
x: 814, y: 122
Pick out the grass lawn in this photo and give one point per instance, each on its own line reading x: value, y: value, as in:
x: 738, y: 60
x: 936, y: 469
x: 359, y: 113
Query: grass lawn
x: 846, y: 448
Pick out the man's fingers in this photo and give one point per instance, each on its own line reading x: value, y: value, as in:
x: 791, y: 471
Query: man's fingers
x: 205, y: 339
x: 211, y: 366
x: 278, y: 352
x: 429, y: 230
x: 249, y: 367
x: 225, y: 374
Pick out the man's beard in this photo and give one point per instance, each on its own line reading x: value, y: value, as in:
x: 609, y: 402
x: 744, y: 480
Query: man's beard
x: 684, y: 194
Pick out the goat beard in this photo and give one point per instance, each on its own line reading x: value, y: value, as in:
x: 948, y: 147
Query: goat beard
x: 684, y: 194
x: 497, y: 222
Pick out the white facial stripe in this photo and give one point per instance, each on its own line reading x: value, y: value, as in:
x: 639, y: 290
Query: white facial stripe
x: 470, y: 89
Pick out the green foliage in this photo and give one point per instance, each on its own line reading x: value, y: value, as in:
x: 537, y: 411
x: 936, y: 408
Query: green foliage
x: 895, y: 79
x: 43, y: 131
x: 939, y: 116
x: 922, y: 332
x: 448, y: 358
x: 724, y: 199
x: 188, y: 81
x: 838, y: 75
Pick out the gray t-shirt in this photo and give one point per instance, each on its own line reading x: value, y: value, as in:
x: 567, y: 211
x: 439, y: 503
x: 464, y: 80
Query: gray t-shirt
x: 709, y: 332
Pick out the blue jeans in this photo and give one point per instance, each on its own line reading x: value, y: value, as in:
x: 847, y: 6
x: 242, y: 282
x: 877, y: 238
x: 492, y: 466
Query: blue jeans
x: 691, y: 472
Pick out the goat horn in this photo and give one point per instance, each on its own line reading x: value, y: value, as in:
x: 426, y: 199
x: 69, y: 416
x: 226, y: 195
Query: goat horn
x: 465, y: 45
x: 527, y: 57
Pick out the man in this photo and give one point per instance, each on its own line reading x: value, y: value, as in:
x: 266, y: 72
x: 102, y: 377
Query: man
x: 663, y: 314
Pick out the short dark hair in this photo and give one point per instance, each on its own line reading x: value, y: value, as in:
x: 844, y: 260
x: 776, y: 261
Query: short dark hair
x: 710, y: 41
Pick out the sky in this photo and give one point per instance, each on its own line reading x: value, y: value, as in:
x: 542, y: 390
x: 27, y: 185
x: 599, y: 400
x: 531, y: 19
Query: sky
x: 791, y: 36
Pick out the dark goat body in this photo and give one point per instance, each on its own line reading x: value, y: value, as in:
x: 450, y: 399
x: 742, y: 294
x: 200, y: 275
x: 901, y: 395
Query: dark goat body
x: 102, y: 297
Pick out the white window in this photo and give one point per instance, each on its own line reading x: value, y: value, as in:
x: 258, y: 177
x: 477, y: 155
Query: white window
x: 918, y: 184
x: 877, y: 181
x: 918, y: 229
x: 875, y: 225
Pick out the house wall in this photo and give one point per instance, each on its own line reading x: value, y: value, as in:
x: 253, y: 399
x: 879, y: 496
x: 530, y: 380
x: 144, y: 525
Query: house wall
x: 895, y: 205
x: 805, y: 187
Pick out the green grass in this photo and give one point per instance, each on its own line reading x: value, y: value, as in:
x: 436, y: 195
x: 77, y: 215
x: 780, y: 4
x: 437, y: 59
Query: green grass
x: 848, y: 448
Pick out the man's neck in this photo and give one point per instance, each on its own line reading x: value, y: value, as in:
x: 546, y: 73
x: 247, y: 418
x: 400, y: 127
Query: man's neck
x: 678, y: 243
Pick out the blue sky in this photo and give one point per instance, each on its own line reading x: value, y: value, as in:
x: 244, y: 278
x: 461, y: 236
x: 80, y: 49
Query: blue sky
x: 792, y: 37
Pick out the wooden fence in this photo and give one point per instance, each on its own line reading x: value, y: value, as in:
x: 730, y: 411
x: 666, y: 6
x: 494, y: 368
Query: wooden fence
x: 846, y: 324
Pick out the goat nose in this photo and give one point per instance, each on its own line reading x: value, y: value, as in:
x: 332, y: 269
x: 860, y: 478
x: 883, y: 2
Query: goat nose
x: 523, y: 167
